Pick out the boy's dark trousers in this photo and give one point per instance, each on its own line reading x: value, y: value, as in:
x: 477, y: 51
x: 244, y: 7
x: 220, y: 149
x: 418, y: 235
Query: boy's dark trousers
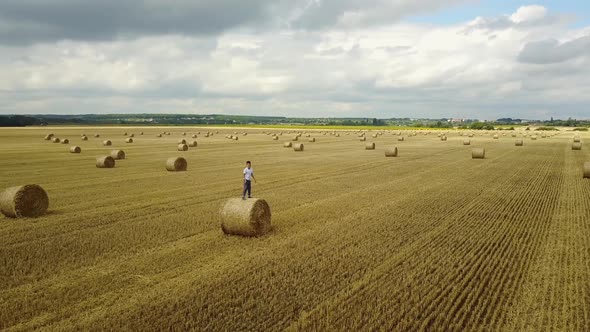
x: 248, y: 188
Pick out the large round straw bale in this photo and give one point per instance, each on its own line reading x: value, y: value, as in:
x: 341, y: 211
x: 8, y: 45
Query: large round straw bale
x: 363, y: 139
x: 400, y: 139
x: 478, y: 153
x: 183, y: 134
x: 587, y: 170
x: 311, y: 140
x: 370, y: 146
x: 176, y: 164
x: 275, y: 138
x: 105, y: 162
x: 287, y: 144
x: 168, y: 133
x: 519, y: 142
x: 374, y: 135
x: 467, y: 142
x: 496, y: 136
x: 443, y: 138
x: 132, y: 135
x: 55, y: 140
x: 193, y: 144
x: 245, y: 217
x: 577, y: 139
x: 65, y: 141
x: 182, y: 147
x: 470, y: 135
x: 118, y: 154
x: 295, y: 138
x: 84, y: 138
x: 24, y: 201
x: 182, y: 141
x: 194, y: 136
x: 245, y: 134
x: 125, y: 134
x: 235, y: 138
x: 75, y: 149
x: 391, y: 152
x: 159, y: 135
x: 48, y: 137
x: 577, y: 146
x: 107, y: 143
x: 534, y: 137
x: 96, y: 135
x: 298, y: 147
x: 513, y: 135
x: 129, y: 140
x: 141, y: 133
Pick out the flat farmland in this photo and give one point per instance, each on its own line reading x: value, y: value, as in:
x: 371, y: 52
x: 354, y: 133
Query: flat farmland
x: 429, y: 240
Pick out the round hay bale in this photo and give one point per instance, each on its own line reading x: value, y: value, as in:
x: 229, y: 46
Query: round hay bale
x: 194, y: 136
x: 470, y: 135
x: 298, y: 147
x: 577, y: 139
x: 192, y: 144
x: 235, y: 138
x: 287, y: 144
x: 129, y: 140
x: 168, y: 133
x: 370, y: 146
x: 400, y: 139
x: 245, y: 134
x: 132, y: 135
x: 183, y: 134
x: 374, y: 135
x: 118, y: 154
x: 55, y: 140
x: 176, y: 164
x: 275, y: 138
x: 519, y: 142
x: 84, y: 138
x: 496, y: 136
x: 363, y: 139
x: 534, y: 138
x: 311, y: 140
x: 513, y: 135
x: 96, y: 135
x: 478, y: 153
x: 391, y: 152
x: 105, y: 162
x: 141, y: 133
x: 24, y: 201
x: 65, y: 141
x: 443, y: 138
x: 75, y: 149
x: 182, y: 147
x: 182, y: 141
x: 295, y: 138
x: 107, y: 143
x: 577, y: 146
x: 586, y: 170
x: 159, y: 135
x: 48, y: 137
x: 467, y: 142
x: 245, y: 217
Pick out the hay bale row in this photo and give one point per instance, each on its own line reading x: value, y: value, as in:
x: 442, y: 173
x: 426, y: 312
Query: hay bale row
x: 250, y: 217
x: 24, y: 201
x: 176, y: 164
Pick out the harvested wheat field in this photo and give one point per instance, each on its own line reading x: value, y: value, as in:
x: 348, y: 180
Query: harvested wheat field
x: 430, y: 240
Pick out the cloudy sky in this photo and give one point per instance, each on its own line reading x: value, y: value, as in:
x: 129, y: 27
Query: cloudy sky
x: 332, y: 58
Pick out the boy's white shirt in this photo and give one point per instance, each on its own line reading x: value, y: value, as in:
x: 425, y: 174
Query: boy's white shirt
x: 248, y: 172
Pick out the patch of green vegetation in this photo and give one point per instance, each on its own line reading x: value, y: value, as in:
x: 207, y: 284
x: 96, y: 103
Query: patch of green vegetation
x: 547, y: 129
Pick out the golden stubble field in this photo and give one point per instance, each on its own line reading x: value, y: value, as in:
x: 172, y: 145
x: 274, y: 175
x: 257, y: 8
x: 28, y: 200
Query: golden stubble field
x: 430, y: 240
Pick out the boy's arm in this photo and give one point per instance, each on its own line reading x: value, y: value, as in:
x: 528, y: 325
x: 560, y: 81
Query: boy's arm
x: 253, y: 177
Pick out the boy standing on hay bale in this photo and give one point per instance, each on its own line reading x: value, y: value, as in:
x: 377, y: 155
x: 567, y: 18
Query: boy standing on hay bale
x: 248, y: 176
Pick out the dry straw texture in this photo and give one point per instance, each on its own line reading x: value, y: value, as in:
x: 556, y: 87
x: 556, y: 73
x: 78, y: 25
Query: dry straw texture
x: 287, y: 144
x: 298, y: 147
x: 24, y: 201
x: 176, y: 164
x: 478, y: 153
x: 391, y: 152
x: 577, y: 146
x: 118, y: 154
x: 107, y: 143
x: 182, y: 147
x: 370, y: 146
x: 587, y: 170
x: 105, y: 162
x: 245, y: 217
x: 75, y: 149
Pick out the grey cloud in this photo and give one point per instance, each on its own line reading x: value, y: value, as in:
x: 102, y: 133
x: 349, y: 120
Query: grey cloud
x: 551, y: 51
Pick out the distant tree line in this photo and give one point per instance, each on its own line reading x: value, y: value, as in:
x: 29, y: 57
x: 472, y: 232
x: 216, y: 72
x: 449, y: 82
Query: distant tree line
x: 19, y: 121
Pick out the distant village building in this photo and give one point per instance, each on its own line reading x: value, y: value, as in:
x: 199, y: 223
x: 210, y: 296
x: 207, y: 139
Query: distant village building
x: 456, y: 120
